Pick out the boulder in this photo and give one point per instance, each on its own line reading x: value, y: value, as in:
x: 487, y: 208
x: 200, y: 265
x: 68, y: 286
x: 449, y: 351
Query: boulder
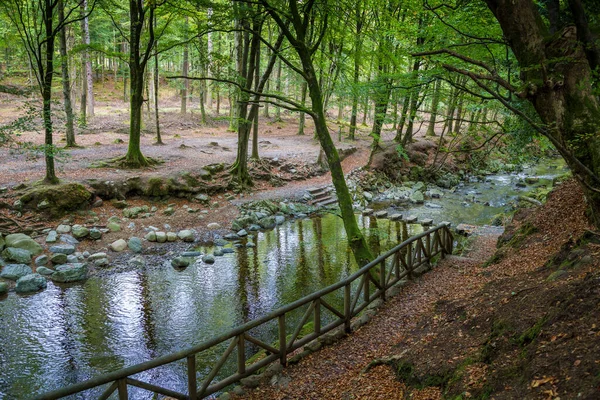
x: 113, y: 226
x: 63, y: 228
x: 70, y: 272
x: 254, y: 228
x: 44, y: 271
x: 20, y: 256
x: 150, y: 236
x: 180, y: 262
x: 22, y: 241
x: 186, y: 235
x: 417, y: 197
x: 368, y: 196
x: 80, y: 231
x: 41, y: 260
x: 118, y: 245
x: 241, y: 233
x: 267, y: 222
x: 30, y: 283
x: 208, y: 259
x: 58, y: 258
x: 135, y: 244
x: 3, y: 288
x: 60, y: 199
x: 52, y: 237
x: 15, y: 271
x: 95, y: 234
x: 279, y: 219
x: 63, y: 249
x: 161, y: 237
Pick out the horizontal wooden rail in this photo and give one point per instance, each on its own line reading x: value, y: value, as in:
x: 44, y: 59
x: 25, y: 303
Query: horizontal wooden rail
x: 373, y: 281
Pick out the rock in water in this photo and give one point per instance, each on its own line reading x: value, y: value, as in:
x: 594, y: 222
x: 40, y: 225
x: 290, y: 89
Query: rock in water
x: 135, y: 244
x: 30, y: 283
x: 208, y: 259
x: 22, y: 241
x: 20, y: 256
x: 118, y: 245
x: 70, y: 272
x: 180, y: 262
x: 15, y: 271
x: 3, y: 288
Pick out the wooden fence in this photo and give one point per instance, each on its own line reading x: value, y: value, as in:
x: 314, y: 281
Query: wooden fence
x: 373, y: 281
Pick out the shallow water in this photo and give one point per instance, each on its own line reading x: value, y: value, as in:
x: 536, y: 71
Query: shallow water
x: 69, y: 333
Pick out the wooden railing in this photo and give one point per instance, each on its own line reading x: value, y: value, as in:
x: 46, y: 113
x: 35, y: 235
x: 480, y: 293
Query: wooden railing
x: 373, y: 281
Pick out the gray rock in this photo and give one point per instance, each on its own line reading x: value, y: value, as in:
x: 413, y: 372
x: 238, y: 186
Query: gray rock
x: 171, y: 237
x: 118, y: 245
x: 97, y: 256
x: 169, y: 211
x: 250, y: 245
x: 15, y: 271
x: 208, y: 259
x: 102, y: 262
x: 30, y: 283
x: 419, y: 186
x: 80, y: 231
x: 161, y: 237
x: 202, y: 198
x: 3, y: 288
x: 70, y: 272
x: 62, y: 228
x: 279, y: 219
x: 22, y: 241
x: 381, y: 214
x: 68, y: 239
x: 44, y: 270
x: 396, y: 217
x: 426, y: 222
x: 241, y: 233
x: 367, y: 211
x: 267, y: 222
x: 191, y: 254
x: 135, y: 244
x: 213, y: 225
x: 95, y: 234
x: 186, y: 235
x: 52, y: 237
x: 113, y: 226
x: 368, y: 196
x: 20, y: 256
x: 221, y: 242
x: 254, y: 228
x: 63, y: 249
x: 73, y: 259
x: 417, y: 197
x: 234, y: 236
x: 41, y: 260
x: 218, y: 253
x: 58, y: 258
x: 180, y: 262
x: 242, y: 222
x: 433, y: 205
x: 150, y: 236
x: 115, y: 219
x: 410, y: 219
x: 227, y: 250
x: 137, y: 261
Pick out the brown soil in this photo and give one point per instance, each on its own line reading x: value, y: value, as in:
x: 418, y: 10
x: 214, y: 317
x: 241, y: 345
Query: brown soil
x: 515, y: 329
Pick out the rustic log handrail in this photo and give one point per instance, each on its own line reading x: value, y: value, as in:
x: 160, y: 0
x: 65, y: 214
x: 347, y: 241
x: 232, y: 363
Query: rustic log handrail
x: 407, y: 256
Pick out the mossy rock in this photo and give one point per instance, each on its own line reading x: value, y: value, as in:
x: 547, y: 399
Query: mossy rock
x: 156, y: 187
x: 58, y: 199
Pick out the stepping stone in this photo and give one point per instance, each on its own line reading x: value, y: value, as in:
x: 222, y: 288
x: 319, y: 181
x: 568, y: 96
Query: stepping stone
x: 411, y: 219
x: 396, y: 217
x: 448, y: 224
x: 427, y: 222
x: 367, y: 211
x: 381, y: 214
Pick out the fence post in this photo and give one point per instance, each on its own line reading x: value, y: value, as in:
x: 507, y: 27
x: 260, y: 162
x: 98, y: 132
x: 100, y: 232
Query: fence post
x: 122, y: 386
x: 241, y: 356
x: 409, y: 260
x: 366, y: 287
x: 282, y: 341
x: 382, y: 279
x: 191, y: 370
x: 317, y: 321
x: 347, y: 301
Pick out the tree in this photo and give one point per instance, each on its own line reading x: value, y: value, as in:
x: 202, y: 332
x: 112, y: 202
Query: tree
x: 66, y: 81
x: 38, y: 25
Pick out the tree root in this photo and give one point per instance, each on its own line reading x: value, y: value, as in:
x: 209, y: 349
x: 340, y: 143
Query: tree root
x: 384, y: 361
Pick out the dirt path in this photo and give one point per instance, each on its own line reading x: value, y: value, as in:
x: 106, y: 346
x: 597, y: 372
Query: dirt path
x: 336, y: 371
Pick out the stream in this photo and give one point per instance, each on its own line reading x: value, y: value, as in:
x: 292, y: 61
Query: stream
x: 69, y: 333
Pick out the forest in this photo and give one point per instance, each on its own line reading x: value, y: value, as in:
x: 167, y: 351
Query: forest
x: 124, y: 125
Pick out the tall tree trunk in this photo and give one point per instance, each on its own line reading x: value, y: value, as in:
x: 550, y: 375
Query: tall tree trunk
x: 302, y: 121
x: 254, y: 155
x: 435, y: 102
x: 88, y: 64
x: 156, y: 85
x: 48, y: 74
x: 278, y: 90
x: 184, y: 72
x: 66, y: 82
x: 209, y: 51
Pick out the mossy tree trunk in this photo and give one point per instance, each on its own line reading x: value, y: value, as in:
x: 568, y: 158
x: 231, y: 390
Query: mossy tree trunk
x: 435, y: 102
x: 298, y: 37
x: 66, y: 81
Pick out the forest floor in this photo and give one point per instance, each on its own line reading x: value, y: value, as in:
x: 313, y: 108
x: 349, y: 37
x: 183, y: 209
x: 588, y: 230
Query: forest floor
x: 524, y: 326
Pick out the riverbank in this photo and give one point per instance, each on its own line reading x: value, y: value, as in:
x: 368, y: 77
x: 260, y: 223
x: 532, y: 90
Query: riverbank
x: 470, y: 328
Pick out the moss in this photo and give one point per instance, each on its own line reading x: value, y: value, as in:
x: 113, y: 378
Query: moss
x: 527, y: 229
x: 529, y: 335
x: 156, y: 187
x: 496, y: 258
x: 60, y: 199
x: 190, y: 180
x: 489, y: 350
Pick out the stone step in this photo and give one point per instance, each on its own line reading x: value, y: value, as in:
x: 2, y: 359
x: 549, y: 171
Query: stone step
x: 327, y: 202
x: 313, y: 191
x: 427, y: 222
x: 410, y: 219
x: 396, y: 217
x: 367, y: 212
x: 381, y: 214
x: 321, y: 195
